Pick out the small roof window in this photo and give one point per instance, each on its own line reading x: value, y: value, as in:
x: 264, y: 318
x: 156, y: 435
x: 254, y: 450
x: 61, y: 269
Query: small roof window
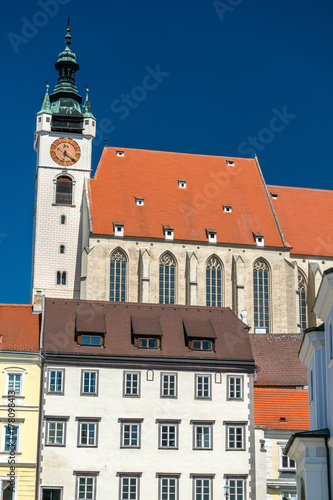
x: 227, y: 208
x: 259, y: 239
x: 118, y: 228
x: 168, y: 232
x: 140, y: 201
x: 120, y: 153
x: 230, y: 163
x: 181, y: 184
x: 211, y: 235
x: 274, y: 195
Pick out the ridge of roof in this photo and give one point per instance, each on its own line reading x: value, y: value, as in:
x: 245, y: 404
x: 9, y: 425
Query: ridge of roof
x: 178, y: 153
x: 299, y: 188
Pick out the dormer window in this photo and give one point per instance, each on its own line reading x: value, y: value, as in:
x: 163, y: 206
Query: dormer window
x: 140, y: 201
x: 120, y: 153
x: 259, y: 239
x: 182, y: 184
x: 88, y: 333
x: 147, y: 332
x: 118, y: 228
x: 230, y: 163
x: 147, y: 343
x: 227, y: 208
x: 200, y: 334
x: 168, y: 232
x: 211, y: 235
x: 201, y: 345
x: 93, y: 340
x: 274, y: 196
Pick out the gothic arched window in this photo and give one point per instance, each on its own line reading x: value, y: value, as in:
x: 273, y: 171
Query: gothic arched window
x: 261, y: 295
x: 64, y: 190
x: 214, y: 282
x: 118, y: 267
x: 167, y: 279
x: 302, y: 301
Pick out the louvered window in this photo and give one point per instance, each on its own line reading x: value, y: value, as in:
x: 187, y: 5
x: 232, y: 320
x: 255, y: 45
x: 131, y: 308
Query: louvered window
x: 64, y: 190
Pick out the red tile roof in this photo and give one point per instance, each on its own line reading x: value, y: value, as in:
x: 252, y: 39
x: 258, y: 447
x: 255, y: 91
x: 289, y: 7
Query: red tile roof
x: 276, y: 357
x: 306, y: 219
x: 19, y: 328
x: 210, y: 182
x: 281, y: 408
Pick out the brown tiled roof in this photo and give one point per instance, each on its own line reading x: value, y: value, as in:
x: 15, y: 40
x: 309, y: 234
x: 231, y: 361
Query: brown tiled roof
x: 306, y: 219
x: 210, y: 183
x: 19, y: 328
x: 232, y: 338
x: 281, y: 408
x: 276, y: 357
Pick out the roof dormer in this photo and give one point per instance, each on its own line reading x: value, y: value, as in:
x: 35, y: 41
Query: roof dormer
x: 181, y: 184
x: 211, y: 235
x: 168, y: 232
x: 258, y: 238
x: 118, y: 228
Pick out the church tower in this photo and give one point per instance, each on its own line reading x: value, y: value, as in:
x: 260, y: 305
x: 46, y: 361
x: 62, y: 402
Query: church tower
x: 63, y: 143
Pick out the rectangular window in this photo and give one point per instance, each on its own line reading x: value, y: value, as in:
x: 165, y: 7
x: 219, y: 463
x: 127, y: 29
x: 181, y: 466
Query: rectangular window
x: 235, y: 387
x: 168, y: 488
x: 15, y: 383
x: 51, y: 494
x: 130, y: 435
x: 129, y: 488
x: 168, y: 435
x: 147, y: 343
x: 286, y: 463
x: 89, y: 383
x: 94, y: 340
x: 55, y: 433
x: 168, y: 385
x: 235, y: 438
x: 203, y: 387
x: 202, y: 488
x: 11, y: 438
x: 86, y: 487
x: 132, y: 384
x: 202, y: 437
x: 56, y: 381
x: 87, y: 434
x: 237, y: 489
x: 201, y: 345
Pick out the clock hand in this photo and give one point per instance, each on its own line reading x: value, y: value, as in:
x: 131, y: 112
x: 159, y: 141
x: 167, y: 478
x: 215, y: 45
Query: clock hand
x: 71, y: 156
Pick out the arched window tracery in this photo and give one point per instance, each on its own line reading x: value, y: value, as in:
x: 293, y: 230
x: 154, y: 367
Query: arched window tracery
x: 167, y: 274
x: 118, y: 270
x: 214, y: 282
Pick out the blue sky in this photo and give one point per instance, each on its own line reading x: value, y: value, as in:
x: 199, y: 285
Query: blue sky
x: 234, y: 78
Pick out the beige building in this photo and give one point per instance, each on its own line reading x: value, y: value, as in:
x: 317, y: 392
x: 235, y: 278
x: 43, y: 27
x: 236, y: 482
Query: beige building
x: 20, y: 371
x: 161, y: 227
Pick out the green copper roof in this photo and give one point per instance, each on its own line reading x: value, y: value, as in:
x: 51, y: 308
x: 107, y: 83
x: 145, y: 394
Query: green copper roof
x: 67, y: 67
x: 87, y: 113
x: 46, y: 108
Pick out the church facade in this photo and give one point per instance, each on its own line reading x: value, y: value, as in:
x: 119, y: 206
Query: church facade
x: 170, y: 228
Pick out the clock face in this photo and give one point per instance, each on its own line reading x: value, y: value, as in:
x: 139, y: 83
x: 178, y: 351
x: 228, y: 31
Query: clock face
x: 65, y: 151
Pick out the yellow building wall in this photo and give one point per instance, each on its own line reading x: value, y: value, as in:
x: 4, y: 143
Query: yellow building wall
x: 26, y: 417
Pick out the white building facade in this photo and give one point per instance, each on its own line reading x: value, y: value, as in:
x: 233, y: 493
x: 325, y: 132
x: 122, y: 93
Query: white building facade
x: 145, y: 422
x: 313, y: 450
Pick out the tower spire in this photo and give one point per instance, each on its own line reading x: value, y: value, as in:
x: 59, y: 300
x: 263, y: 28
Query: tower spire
x: 46, y: 108
x: 65, y: 99
x: 87, y: 113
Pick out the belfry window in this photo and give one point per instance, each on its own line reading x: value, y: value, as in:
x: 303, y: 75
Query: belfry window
x: 61, y: 277
x: 302, y: 301
x: 118, y: 265
x: 261, y: 296
x: 214, y: 282
x: 167, y: 279
x: 64, y: 190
